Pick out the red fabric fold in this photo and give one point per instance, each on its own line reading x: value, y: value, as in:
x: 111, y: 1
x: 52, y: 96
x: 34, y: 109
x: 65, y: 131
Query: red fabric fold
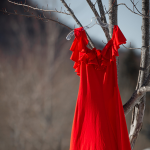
x: 99, y: 121
x: 99, y: 58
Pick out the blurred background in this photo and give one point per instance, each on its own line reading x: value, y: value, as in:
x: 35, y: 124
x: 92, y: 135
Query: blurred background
x: 38, y: 85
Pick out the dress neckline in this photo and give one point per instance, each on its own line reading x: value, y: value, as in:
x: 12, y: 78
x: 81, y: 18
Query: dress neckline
x: 100, y: 59
x: 80, y: 29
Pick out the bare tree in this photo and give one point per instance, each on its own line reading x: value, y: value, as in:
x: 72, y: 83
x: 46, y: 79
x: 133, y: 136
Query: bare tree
x: 138, y: 98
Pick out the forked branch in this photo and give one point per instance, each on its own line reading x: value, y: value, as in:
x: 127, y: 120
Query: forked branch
x: 36, y: 8
x: 139, y: 13
x: 136, y: 96
x: 132, y: 48
x: 138, y: 110
x: 92, y: 6
x: 36, y: 17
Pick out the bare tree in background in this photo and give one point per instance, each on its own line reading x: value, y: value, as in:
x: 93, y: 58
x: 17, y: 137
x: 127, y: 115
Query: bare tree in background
x: 136, y: 103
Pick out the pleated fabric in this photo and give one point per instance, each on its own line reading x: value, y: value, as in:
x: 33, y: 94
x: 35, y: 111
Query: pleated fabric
x: 99, y: 122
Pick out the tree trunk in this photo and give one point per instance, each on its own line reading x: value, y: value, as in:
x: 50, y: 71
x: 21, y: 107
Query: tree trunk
x: 138, y: 110
x: 112, y: 15
x: 113, y: 21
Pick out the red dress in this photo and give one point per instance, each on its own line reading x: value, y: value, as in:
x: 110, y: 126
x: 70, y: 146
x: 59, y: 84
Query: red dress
x: 99, y: 121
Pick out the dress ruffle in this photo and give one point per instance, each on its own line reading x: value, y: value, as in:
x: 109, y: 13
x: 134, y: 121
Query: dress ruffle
x: 99, y: 59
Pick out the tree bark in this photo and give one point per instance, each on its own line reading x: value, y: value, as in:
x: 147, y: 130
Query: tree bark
x: 101, y: 10
x: 136, y: 96
x: 113, y: 20
x: 92, y: 6
x: 138, y: 110
x: 112, y: 15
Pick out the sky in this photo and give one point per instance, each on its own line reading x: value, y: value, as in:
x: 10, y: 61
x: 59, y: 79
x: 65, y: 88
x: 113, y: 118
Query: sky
x: 128, y: 22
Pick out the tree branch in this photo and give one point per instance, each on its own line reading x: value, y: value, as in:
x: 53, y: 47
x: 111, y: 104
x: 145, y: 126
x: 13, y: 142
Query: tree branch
x: 138, y: 111
x: 112, y: 15
x: 127, y: 47
x: 133, y: 48
x: 97, y: 15
x: 134, y: 6
x: 140, y: 14
x: 130, y: 47
x: 113, y: 21
x: 77, y: 21
x: 36, y: 17
x: 101, y: 10
x: 143, y: 90
x: 136, y: 96
x: 35, y: 8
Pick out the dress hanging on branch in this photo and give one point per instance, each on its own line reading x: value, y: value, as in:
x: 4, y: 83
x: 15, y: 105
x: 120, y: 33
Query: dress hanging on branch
x: 99, y: 121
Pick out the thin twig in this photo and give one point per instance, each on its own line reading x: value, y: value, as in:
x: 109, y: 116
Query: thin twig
x: 134, y: 6
x: 140, y: 14
x: 104, y: 42
x: 132, y: 48
x: 95, y: 3
x: 37, y: 17
x: 129, y: 48
x: 126, y: 47
x: 35, y: 8
x: 110, y: 8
